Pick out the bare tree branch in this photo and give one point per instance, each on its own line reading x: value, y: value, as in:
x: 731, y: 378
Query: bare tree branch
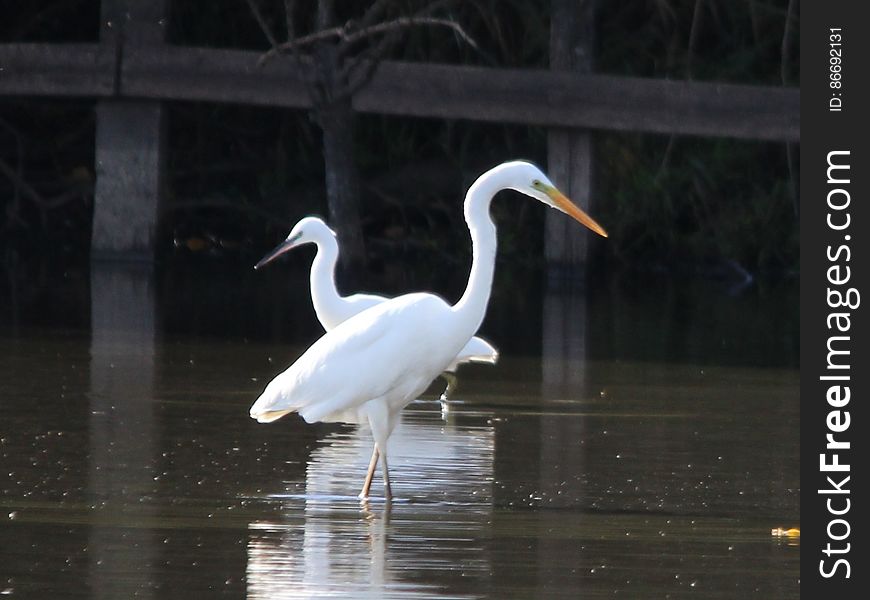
x: 305, y: 69
x: 406, y: 22
x: 42, y: 203
x: 376, y: 53
x: 342, y: 33
x: 366, y: 62
x: 374, y: 12
x: 252, y: 4
x: 753, y: 18
x: 289, y: 8
x: 19, y: 182
x: 353, y: 73
x: 693, y: 36
x: 786, y: 42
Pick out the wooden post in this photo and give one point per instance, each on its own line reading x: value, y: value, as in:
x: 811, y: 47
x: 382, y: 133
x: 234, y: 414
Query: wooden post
x: 569, y: 151
x: 129, y: 142
x: 123, y: 427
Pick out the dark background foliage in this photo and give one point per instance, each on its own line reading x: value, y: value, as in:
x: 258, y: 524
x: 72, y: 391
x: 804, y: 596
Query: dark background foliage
x: 240, y: 176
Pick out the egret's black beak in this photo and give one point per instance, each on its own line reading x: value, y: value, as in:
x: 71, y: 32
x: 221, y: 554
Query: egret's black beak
x: 278, y: 251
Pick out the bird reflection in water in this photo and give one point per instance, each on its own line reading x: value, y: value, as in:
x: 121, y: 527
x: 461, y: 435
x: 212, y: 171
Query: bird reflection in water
x: 327, y: 542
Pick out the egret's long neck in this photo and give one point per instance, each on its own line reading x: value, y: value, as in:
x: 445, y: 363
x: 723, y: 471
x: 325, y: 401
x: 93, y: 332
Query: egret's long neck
x: 323, y: 291
x: 472, y: 305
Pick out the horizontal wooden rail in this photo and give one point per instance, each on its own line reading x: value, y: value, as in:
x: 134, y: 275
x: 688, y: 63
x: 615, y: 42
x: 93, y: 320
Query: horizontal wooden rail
x: 57, y: 70
x: 529, y: 97
x: 566, y: 99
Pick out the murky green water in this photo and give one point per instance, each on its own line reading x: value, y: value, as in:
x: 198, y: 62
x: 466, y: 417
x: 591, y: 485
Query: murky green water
x: 636, y: 440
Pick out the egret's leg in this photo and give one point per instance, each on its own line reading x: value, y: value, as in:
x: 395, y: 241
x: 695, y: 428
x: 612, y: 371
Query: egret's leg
x: 452, y: 382
x: 382, y: 423
x: 370, y: 474
x: 388, y: 492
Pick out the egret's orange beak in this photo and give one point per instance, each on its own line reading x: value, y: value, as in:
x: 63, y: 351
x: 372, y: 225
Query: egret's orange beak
x: 561, y: 202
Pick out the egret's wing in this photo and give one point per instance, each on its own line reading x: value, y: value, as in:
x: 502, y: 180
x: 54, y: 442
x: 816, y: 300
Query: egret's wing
x: 366, y: 357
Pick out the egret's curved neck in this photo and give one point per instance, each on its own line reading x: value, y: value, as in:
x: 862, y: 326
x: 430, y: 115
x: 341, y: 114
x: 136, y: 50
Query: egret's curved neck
x: 323, y: 291
x: 472, y: 305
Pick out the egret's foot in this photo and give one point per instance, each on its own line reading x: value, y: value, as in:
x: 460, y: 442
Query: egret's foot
x: 365, y: 498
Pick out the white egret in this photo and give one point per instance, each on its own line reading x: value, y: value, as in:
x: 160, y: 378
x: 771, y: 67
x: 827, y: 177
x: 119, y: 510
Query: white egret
x: 332, y: 308
x: 373, y: 364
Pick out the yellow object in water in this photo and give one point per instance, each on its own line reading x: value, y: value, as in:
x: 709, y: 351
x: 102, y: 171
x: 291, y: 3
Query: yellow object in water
x: 780, y: 532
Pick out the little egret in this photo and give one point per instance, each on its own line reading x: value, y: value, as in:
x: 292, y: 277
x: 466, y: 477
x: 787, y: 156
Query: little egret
x: 373, y: 364
x: 332, y: 308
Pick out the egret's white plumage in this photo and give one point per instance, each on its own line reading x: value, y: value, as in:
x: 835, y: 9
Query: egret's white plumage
x: 331, y: 383
x: 332, y: 308
x: 370, y: 366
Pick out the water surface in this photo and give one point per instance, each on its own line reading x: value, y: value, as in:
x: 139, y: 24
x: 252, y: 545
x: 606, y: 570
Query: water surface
x: 636, y: 439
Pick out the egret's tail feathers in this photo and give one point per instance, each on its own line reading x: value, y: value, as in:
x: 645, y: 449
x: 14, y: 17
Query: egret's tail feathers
x: 269, y: 415
x: 477, y: 350
x: 489, y: 359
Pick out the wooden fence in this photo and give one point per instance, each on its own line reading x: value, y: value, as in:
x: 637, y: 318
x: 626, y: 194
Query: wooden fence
x: 529, y: 97
x: 146, y: 74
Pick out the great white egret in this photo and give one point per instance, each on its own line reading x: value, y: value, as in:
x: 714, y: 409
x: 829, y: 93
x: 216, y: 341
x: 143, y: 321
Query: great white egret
x: 373, y: 364
x: 332, y: 308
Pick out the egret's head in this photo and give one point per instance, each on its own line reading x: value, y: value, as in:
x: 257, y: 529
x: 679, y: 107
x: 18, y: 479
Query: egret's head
x: 307, y: 231
x: 526, y: 178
